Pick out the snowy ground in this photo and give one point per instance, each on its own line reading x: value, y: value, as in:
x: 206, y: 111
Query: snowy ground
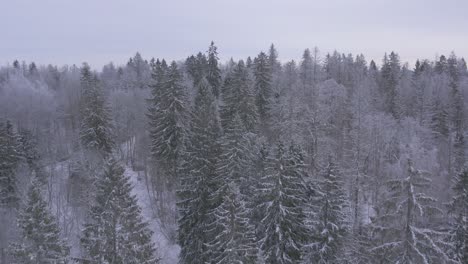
x: 59, y: 174
x: 167, y: 251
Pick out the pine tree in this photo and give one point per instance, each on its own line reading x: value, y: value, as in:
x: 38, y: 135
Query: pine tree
x: 332, y: 219
x: 96, y: 125
x: 239, y: 99
x: 458, y: 207
x: 282, y: 194
x: 213, y: 72
x: 10, y: 156
x: 115, y: 231
x: 402, y: 229
x: 169, y: 118
x: 263, y: 90
x: 198, y: 181
x: 40, y: 239
x: 234, y: 237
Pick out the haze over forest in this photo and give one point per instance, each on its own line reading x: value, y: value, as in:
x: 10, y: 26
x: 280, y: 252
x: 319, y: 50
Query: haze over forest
x: 197, y: 151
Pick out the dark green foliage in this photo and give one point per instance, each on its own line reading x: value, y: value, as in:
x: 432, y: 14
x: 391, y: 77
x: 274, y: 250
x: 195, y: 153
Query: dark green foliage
x: 40, y: 235
x: 390, y: 76
x: 405, y: 229
x: 31, y: 154
x: 213, y: 75
x: 283, y: 195
x: 10, y: 156
x: 458, y: 207
x: 198, y: 180
x: 233, y: 236
x: 263, y: 90
x: 115, y: 231
x: 239, y: 99
x: 96, y: 124
x: 197, y: 67
x: 331, y: 225
x: 306, y: 70
x: 439, y: 120
x: 168, y: 118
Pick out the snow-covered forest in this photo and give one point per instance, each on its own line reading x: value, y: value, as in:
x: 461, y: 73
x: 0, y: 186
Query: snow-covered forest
x: 329, y: 159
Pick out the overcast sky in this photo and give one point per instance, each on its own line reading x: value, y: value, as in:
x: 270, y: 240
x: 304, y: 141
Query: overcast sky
x: 100, y: 31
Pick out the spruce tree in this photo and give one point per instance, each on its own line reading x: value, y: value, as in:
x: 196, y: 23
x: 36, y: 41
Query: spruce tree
x: 40, y: 235
x: 441, y: 65
x: 10, y: 156
x: 235, y: 162
x: 213, y: 75
x: 273, y: 63
x: 305, y: 71
x: 239, y: 99
x: 115, y: 231
x: 263, y: 90
x: 458, y: 207
x: 199, y: 179
x: 233, y: 232
x: 282, y: 193
x: 457, y: 113
x: 169, y: 118
x: 439, y: 120
x: 96, y: 125
x: 390, y: 75
x: 402, y: 230
x: 331, y: 224
x: 31, y: 154
x: 233, y: 235
x: 197, y: 67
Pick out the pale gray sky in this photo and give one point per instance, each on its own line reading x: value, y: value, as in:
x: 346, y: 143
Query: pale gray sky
x: 99, y: 31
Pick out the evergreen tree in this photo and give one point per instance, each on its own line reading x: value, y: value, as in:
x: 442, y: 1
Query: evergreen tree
x: 273, y: 63
x: 115, y: 231
x: 31, y: 154
x: 276, y: 71
x: 158, y: 73
x: 332, y: 219
x: 234, y: 237
x: 457, y: 113
x: 305, y: 70
x: 232, y: 229
x: 239, y: 99
x: 263, y: 90
x: 441, y: 65
x: 197, y: 67
x: 198, y: 181
x: 213, y: 72
x: 402, y: 229
x: 282, y: 195
x: 235, y: 162
x: 96, y: 125
x: 169, y: 118
x: 439, y: 120
x: 40, y: 239
x: 458, y: 207
x: 390, y: 78
x: 10, y: 156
